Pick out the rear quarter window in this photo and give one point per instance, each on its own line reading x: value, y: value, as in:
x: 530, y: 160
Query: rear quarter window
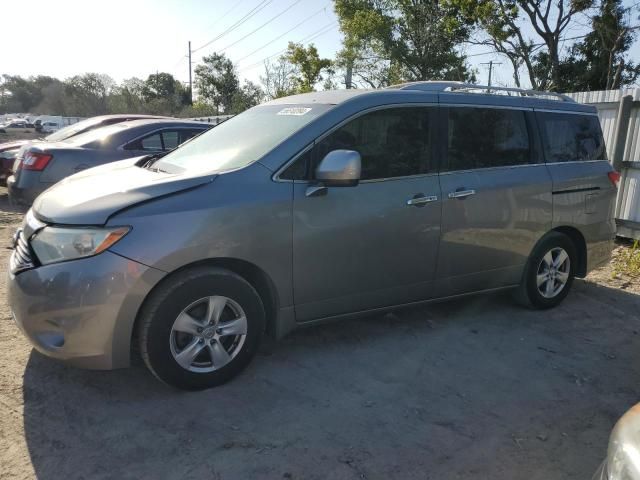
x: 570, y: 137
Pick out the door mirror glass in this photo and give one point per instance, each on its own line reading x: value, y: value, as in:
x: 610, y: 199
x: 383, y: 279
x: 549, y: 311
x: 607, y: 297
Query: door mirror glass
x: 339, y: 168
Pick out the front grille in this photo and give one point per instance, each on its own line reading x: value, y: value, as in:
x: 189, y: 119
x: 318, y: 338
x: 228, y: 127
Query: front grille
x: 21, y: 258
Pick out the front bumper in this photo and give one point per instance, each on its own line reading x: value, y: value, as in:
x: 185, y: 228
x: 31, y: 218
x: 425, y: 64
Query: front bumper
x: 82, y: 311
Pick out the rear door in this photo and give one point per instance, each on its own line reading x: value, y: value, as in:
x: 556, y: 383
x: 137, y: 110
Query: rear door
x: 496, y: 197
x: 583, y: 196
x: 375, y: 244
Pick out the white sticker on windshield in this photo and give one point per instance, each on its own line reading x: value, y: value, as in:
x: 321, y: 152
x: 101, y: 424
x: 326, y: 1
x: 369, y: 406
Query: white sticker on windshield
x: 294, y: 111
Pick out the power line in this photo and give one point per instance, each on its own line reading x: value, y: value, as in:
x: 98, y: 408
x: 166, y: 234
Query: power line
x: 285, y: 33
x: 224, y: 15
x: 247, y: 16
x: 261, y: 26
x: 308, y: 38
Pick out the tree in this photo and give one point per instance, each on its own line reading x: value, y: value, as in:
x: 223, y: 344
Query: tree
x: 278, y: 79
x: 601, y: 60
x: 367, y: 68
x: 502, y: 23
x: 160, y: 86
x: 416, y: 40
x: 24, y: 94
x: 309, y: 66
x: 87, y: 94
x: 248, y: 96
x: 217, y: 82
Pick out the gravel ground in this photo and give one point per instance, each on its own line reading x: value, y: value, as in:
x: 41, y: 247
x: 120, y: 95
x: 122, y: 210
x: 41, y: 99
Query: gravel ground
x: 473, y: 389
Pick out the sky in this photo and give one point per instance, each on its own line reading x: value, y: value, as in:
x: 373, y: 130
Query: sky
x: 131, y: 38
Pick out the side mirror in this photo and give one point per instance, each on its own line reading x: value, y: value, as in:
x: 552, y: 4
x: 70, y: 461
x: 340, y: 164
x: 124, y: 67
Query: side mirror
x: 339, y: 168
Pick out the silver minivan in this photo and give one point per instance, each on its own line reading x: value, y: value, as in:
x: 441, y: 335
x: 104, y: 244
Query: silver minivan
x: 310, y: 208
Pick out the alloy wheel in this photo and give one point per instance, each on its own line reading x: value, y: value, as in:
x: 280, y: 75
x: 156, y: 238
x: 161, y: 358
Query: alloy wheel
x: 553, y: 272
x: 208, y: 334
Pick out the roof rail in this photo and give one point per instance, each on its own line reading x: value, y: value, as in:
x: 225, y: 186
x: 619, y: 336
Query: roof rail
x: 461, y: 87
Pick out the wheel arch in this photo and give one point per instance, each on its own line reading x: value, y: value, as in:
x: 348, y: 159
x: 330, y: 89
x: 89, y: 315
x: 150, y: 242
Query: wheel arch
x: 578, y: 240
x: 253, y: 274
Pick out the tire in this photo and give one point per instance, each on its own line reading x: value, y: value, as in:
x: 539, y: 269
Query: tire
x: 190, y: 321
x: 549, y: 293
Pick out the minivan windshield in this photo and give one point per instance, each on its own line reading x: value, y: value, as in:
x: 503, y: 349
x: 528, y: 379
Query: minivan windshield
x: 240, y: 140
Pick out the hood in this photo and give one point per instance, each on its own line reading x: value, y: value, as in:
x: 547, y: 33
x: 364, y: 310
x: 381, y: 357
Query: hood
x: 12, y: 145
x: 92, y: 196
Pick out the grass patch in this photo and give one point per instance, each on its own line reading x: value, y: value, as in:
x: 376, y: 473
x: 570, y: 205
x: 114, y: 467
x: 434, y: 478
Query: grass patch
x: 627, y: 261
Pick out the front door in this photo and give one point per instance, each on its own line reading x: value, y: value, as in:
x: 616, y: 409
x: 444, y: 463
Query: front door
x: 376, y: 244
x: 496, y: 198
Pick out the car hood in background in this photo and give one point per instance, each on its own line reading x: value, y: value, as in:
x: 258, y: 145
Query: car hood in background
x: 92, y: 196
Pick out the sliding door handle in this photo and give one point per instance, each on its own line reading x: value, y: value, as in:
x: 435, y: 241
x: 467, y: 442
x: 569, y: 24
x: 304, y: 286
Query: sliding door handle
x: 420, y: 199
x: 462, y: 193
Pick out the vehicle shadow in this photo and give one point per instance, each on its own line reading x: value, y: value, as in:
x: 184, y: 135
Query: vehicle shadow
x: 473, y: 388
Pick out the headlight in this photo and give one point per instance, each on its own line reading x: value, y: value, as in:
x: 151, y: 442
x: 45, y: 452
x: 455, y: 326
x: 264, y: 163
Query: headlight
x: 623, y: 456
x: 57, y: 244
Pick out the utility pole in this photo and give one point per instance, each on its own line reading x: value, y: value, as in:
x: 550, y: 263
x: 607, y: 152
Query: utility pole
x: 491, y: 64
x: 190, y: 82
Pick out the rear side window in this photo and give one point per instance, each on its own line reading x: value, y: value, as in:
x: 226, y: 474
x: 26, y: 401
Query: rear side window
x: 569, y: 137
x: 487, y: 137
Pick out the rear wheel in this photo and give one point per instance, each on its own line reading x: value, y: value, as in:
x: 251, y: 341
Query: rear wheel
x: 549, y: 272
x: 201, y: 327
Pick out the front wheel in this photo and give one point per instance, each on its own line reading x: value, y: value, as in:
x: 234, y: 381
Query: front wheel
x: 200, y: 328
x: 549, y: 272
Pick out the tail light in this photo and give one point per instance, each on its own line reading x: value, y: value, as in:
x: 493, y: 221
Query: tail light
x: 614, y: 178
x: 35, y: 161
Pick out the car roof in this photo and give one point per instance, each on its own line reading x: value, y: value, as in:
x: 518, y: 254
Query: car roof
x: 161, y: 122
x: 445, y: 92
x: 124, y: 115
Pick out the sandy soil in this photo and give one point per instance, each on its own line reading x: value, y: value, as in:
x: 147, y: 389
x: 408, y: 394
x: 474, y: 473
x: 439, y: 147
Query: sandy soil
x: 472, y: 389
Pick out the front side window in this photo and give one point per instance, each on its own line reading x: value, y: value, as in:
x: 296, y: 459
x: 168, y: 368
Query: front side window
x: 487, y: 137
x: 571, y: 137
x: 394, y: 142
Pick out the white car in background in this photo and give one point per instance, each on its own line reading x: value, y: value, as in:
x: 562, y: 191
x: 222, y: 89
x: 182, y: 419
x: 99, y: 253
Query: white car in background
x: 18, y: 125
x: 50, y: 127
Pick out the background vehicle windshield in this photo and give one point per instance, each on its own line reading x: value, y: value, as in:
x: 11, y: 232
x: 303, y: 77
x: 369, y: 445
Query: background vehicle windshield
x: 242, y: 139
x: 71, y: 130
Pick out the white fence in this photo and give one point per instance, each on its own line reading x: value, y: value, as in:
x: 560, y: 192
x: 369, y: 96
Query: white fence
x: 619, y: 112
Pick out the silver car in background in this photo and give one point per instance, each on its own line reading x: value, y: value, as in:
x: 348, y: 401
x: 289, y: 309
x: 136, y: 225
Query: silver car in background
x: 623, y: 453
x: 39, y: 165
x: 311, y: 208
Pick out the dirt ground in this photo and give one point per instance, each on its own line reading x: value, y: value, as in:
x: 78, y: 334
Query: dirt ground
x: 472, y: 389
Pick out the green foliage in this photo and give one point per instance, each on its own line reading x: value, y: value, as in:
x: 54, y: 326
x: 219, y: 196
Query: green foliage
x: 217, y: 82
x: 87, y: 94
x: 92, y: 94
x: 278, y: 78
x: 391, y: 40
x: 601, y: 60
x: 246, y: 97
x: 309, y: 66
x: 502, y: 21
x: 628, y: 261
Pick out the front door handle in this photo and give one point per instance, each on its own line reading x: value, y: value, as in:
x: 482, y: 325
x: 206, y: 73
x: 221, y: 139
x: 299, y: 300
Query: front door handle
x: 462, y: 193
x: 420, y: 199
